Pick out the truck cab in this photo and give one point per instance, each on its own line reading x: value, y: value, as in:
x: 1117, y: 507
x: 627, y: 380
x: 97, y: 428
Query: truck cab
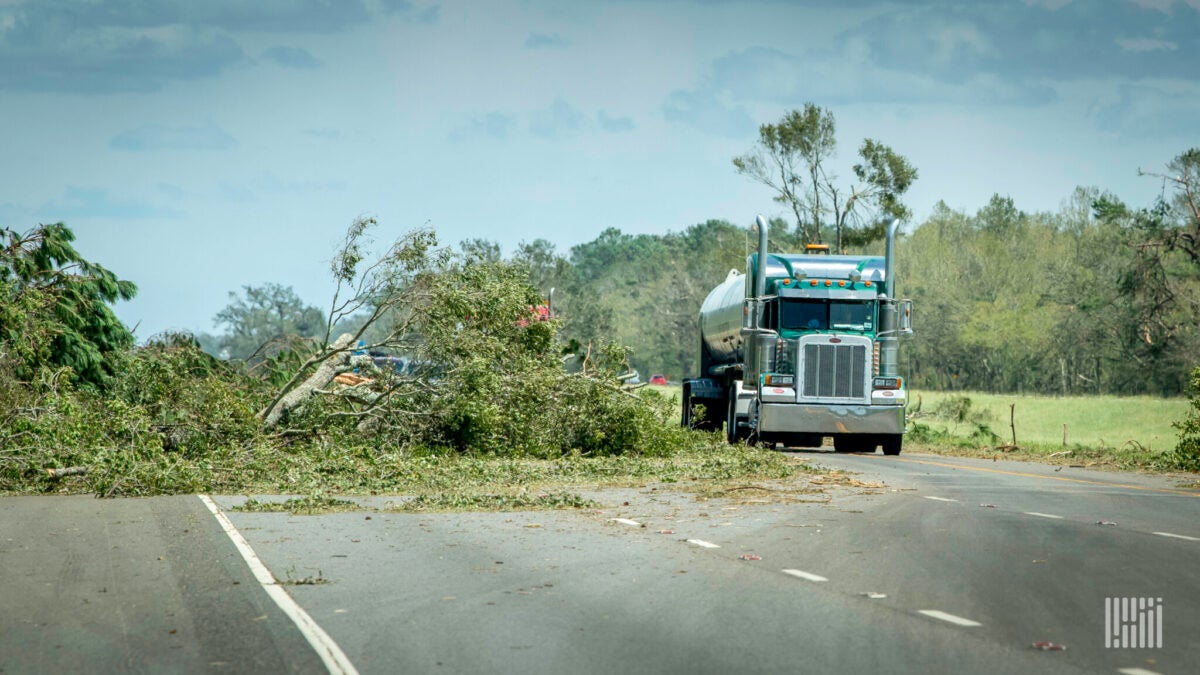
x: 809, y: 350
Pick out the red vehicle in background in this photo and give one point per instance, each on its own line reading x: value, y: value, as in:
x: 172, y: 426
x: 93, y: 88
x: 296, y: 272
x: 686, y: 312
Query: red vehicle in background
x: 660, y: 380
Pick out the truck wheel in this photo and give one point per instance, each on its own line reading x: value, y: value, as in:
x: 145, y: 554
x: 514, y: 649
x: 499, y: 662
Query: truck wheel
x: 845, y: 444
x: 731, y: 434
x: 892, y: 443
x: 734, y: 432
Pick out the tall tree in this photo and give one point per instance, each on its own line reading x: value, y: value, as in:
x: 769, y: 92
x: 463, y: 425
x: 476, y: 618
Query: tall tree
x: 479, y: 250
x: 791, y: 157
x: 54, y: 305
x: 263, y: 314
x: 547, y: 268
x: 1179, y: 228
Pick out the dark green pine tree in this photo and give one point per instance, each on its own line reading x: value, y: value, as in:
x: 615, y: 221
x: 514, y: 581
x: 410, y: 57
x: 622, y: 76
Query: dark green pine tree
x: 55, y: 307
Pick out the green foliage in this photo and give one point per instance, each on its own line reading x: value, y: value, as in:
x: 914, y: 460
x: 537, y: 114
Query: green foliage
x: 958, y: 410
x: 645, y: 291
x: 547, y: 269
x: 488, y: 387
x: 55, y: 307
x: 1186, y: 454
x: 191, y: 399
x: 1067, y: 303
x: 790, y: 158
x: 266, y: 317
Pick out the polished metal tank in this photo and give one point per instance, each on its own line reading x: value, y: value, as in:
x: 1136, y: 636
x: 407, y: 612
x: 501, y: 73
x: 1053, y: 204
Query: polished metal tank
x: 721, y: 319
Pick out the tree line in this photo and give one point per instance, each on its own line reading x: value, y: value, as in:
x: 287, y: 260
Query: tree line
x: 1099, y: 297
x: 433, y: 349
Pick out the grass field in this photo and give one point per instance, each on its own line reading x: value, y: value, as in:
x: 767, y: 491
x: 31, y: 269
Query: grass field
x: 1131, y: 432
x: 1092, y: 421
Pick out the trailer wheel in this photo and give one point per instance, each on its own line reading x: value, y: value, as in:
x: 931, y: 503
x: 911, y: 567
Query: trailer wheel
x: 892, y: 443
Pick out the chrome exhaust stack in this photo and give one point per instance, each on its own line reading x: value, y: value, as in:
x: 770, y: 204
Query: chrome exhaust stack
x: 889, y: 336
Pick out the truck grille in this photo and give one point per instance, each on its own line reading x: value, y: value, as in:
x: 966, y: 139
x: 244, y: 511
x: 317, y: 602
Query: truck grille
x: 834, y: 370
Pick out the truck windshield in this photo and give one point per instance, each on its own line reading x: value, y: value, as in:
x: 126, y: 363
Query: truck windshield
x: 826, y: 315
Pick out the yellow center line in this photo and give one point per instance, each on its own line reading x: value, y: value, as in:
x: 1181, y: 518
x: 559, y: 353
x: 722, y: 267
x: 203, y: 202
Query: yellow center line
x: 1036, y: 475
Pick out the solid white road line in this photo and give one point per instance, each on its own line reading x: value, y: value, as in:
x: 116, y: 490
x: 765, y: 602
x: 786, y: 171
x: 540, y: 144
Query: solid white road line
x: 626, y: 521
x: 1137, y: 671
x: 948, y: 617
x: 805, y: 575
x: 703, y: 544
x: 1177, y: 536
x: 1042, y: 515
x: 335, y: 660
x: 940, y: 499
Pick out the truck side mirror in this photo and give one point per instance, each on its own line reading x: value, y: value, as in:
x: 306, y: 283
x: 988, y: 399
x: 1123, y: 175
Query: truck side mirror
x: 898, y: 318
x: 905, y: 310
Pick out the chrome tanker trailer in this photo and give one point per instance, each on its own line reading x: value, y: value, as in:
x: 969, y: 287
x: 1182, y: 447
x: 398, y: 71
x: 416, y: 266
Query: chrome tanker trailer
x: 801, y: 347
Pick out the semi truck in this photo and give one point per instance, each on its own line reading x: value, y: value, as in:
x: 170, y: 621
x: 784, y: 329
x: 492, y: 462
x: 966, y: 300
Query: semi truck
x: 801, y: 347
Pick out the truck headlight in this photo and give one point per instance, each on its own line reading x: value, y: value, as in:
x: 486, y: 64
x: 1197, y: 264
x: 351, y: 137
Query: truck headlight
x: 778, y: 380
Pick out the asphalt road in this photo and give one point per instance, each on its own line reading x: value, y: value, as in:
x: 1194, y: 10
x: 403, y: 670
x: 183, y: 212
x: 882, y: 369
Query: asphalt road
x: 133, y: 586
x: 951, y: 566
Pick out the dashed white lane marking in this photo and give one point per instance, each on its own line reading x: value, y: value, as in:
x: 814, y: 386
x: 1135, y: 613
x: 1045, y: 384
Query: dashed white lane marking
x: 940, y: 499
x: 1137, y: 671
x: 805, y: 575
x: 1177, y: 536
x: 334, y: 658
x: 626, y: 521
x: 703, y: 544
x: 937, y: 614
x: 1042, y: 515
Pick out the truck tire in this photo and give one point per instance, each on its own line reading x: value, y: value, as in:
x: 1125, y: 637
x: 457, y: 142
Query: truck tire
x: 734, y: 432
x: 891, y: 444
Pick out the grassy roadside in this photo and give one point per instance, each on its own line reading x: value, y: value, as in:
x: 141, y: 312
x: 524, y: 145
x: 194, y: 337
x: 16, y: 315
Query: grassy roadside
x: 1091, y: 421
x: 429, y: 481
x: 1116, y: 432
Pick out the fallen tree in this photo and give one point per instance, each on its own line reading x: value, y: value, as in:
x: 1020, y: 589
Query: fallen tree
x: 379, y: 301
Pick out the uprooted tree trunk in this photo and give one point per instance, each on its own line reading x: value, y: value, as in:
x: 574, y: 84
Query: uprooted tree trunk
x: 336, y: 360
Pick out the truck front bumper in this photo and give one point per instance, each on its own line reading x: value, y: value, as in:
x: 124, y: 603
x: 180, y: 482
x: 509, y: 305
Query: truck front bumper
x: 800, y: 418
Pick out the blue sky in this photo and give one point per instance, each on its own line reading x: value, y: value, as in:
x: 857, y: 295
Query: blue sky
x: 196, y: 147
